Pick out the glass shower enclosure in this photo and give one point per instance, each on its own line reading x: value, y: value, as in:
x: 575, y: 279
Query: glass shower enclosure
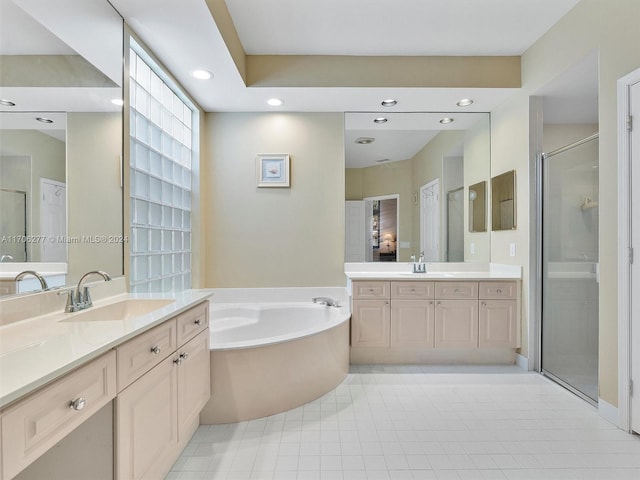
x: 570, y: 267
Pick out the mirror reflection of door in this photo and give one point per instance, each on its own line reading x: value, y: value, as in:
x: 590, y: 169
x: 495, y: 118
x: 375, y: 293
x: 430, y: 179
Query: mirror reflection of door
x: 53, y: 220
x: 430, y: 221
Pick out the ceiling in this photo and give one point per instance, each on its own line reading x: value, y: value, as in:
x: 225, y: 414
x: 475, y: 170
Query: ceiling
x: 187, y: 35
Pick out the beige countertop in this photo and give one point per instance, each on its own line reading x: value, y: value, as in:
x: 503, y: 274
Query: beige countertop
x: 435, y: 271
x: 37, y: 350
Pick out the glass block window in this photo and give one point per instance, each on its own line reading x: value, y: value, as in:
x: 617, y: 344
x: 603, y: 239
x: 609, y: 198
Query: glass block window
x: 161, y: 158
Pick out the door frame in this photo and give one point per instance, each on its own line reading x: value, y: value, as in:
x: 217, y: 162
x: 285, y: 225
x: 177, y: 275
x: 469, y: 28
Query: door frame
x: 624, y: 246
x: 423, y: 188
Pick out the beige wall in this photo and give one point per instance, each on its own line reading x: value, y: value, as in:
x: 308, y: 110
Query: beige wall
x: 47, y: 161
x: 611, y: 28
x: 477, y: 152
x: 427, y: 166
x: 94, y: 193
x: 353, y: 183
x: 556, y: 136
x: 274, y: 237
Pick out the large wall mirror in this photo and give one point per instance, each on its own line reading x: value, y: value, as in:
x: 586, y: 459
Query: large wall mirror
x: 60, y: 139
x: 422, y: 165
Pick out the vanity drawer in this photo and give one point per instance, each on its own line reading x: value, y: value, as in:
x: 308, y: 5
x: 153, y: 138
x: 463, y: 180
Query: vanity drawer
x: 141, y: 354
x: 37, y: 423
x: 192, y: 322
x: 370, y: 290
x: 416, y: 290
x: 456, y: 290
x: 498, y: 290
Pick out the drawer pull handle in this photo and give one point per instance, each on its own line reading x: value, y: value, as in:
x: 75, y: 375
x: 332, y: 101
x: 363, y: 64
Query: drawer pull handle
x: 499, y: 290
x: 156, y: 350
x: 457, y: 290
x: 198, y: 322
x: 77, y: 404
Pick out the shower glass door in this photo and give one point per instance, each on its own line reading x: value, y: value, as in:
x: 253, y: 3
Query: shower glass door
x: 570, y: 267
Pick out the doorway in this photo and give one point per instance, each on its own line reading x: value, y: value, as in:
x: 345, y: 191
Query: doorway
x: 455, y: 225
x: 382, y: 228
x: 570, y: 269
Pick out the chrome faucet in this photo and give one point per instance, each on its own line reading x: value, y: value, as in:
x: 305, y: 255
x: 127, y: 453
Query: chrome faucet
x: 80, y: 298
x: 329, y: 302
x: 5, y: 258
x: 420, y: 266
x: 43, y: 282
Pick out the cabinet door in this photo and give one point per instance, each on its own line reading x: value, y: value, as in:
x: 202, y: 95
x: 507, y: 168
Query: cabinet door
x: 456, y: 324
x: 147, y: 425
x: 497, y: 324
x: 194, y: 381
x: 370, y: 323
x: 412, y: 323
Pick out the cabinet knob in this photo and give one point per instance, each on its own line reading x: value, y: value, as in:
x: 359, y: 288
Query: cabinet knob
x: 197, y: 321
x: 386, y: 303
x: 438, y: 303
x: 371, y: 290
x: 430, y: 303
x: 457, y: 290
x: 178, y: 361
x: 413, y: 290
x: 184, y: 355
x: 77, y: 404
x: 484, y: 304
x: 499, y: 290
x: 156, y: 349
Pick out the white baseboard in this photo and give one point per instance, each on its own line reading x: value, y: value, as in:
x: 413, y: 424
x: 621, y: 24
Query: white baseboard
x: 608, y: 412
x: 522, y: 362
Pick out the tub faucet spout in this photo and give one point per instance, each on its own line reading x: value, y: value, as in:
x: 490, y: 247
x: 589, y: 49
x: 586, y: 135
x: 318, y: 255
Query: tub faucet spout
x: 329, y: 302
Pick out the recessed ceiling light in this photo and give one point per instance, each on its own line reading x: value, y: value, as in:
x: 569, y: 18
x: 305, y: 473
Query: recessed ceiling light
x: 7, y: 103
x: 202, y: 74
x: 389, y: 102
x: 117, y: 101
x: 446, y: 120
x: 44, y: 120
x: 380, y: 120
x: 465, y: 102
x: 275, y: 102
x: 365, y: 140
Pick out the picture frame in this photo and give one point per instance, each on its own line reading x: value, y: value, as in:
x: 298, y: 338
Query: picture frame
x: 272, y: 170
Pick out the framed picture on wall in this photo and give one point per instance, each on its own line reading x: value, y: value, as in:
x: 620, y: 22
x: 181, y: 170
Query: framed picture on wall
x: 272, y: 170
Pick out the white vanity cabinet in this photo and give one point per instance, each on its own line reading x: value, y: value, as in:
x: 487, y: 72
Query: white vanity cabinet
x: 157, y: 414
x: 36, y: 423
x: 412, y: 314
x: 141, y: 399
x: 456, y: 316
x: 498, y: 325
x: 393, y: 317
x: 371, y: 314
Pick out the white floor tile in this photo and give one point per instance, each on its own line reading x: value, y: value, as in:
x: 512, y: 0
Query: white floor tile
x: 421, y: 423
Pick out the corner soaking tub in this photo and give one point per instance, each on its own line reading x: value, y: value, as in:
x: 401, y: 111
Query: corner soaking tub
x: 269, y: 357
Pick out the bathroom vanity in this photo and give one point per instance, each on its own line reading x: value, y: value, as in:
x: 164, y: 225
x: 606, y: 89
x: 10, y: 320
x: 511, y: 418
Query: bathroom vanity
x: 132, y: 371
x: 470, y: 316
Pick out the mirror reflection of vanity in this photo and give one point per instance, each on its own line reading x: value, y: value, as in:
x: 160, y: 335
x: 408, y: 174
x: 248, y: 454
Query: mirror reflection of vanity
x: 60, y: 141
x: 433, y: 168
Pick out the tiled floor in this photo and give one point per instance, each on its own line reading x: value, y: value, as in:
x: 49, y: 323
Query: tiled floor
x: 421, y: 423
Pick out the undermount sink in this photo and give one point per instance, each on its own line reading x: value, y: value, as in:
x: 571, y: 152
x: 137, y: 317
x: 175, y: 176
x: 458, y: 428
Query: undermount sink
x: 123, y: 310
x: 427, y: 274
